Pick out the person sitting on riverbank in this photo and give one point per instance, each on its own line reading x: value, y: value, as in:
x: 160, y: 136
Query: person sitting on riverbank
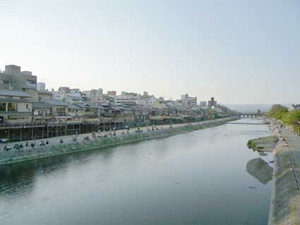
x: 42, y: 143
x: 74, y: 139
x: 47, y: 142
x: 32, y: 144
x: 6, y: 148
x: 27, y: 144
x: 61, y: 141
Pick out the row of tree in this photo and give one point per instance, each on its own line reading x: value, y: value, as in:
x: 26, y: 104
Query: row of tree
x: 291, y: 118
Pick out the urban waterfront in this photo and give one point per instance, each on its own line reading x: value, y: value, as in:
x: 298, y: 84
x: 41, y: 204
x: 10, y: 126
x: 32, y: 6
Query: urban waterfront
x: 195, y: 178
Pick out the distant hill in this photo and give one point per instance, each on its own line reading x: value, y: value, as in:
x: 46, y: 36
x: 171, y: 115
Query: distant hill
x: 248, y: 107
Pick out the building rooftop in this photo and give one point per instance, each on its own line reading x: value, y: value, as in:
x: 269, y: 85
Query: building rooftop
x: 45, y: 92
x: 72, y: 106
x: 41, y: 105
x: 13, y: 93
x: 14, y: 100
x: 55, y: 102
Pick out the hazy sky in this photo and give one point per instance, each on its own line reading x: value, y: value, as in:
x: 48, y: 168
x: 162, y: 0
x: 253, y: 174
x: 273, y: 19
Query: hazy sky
x: 238, y: 51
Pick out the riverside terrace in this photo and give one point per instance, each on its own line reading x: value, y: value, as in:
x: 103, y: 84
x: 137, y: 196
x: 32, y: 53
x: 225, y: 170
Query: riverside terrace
x: 39, y: 130
x: 22, y: 151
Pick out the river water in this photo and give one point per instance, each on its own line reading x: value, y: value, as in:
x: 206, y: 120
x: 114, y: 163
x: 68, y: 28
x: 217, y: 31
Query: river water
x: 204, y: 177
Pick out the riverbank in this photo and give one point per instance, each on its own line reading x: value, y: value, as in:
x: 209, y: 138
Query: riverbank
x: 285, y: 199
x: 70, y: 144
x: 263, y: 144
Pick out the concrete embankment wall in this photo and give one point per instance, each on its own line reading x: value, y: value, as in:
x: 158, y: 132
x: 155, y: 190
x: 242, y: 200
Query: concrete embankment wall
x: 101, y: 142
x: 285, y: 199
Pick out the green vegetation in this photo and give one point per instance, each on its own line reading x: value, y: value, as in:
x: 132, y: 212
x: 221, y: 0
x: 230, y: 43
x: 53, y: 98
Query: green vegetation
x: 277, y: 111
x: 251, y: 144
x: 261, y: 143
x: 291, y: 118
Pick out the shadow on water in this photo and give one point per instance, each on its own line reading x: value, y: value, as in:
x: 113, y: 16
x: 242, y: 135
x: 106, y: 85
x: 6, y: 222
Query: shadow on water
x: 260, y: 169
x: 18, y: 179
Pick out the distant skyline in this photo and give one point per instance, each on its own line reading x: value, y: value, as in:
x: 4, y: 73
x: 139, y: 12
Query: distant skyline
x: 240, y: 52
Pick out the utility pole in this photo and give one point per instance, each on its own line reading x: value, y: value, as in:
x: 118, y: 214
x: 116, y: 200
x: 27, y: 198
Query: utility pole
x: 99, y: 114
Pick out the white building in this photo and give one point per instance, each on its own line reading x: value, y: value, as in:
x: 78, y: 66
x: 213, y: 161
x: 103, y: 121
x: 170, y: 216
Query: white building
x: 188, y: 101
x: 41, y: 86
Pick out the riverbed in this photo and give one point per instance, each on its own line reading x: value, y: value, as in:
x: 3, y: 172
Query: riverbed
x: 204, y: 177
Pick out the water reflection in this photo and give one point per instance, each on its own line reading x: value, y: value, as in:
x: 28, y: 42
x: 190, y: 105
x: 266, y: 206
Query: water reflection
x: 260, y: 169
x: 163, y: 181
x: 18, y: 179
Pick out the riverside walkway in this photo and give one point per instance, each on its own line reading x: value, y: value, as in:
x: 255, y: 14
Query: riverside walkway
x: 285, y: 203
x: 88, y: 141
x: 53, y: 141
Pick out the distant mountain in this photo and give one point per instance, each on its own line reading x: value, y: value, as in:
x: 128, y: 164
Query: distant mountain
x: 249, y: 107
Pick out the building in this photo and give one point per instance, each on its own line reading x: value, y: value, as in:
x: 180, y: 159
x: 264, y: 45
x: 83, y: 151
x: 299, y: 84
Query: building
x: 64, y: 90
x: 186, y: 100
x: 15, y: 79
x: 15, y: 107
x: 296, y: 107
x: 51, y: 110
x: 41, y: 86
x: 112, y: 93
x: 203, y: 104
x: 212, y: 103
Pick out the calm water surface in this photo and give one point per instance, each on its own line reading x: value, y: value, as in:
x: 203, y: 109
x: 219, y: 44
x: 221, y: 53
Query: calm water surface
x: 196, y: 178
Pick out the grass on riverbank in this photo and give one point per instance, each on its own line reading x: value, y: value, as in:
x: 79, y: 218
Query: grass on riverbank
x: 100, y: 142
x: 262, y: 143
x: 289, y: 118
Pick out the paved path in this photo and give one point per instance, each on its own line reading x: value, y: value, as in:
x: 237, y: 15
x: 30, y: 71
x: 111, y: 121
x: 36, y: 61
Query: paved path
x: 285, y: 204
x: 54, y: 141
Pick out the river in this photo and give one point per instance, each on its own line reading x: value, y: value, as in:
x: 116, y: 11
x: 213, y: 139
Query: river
x: 204, y: 177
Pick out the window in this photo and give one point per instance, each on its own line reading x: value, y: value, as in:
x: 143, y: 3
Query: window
x: 27, y: 106
x: 61, y: 111
x: 3, y: 106
x: 12, y: 106
x: 5, y: 82
x: 31, y: 83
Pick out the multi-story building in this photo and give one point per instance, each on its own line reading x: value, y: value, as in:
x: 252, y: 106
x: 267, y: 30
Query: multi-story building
x: 64, y: 90
x: 212, y: 103
x: 41, y: 86
x: 203, y: 104
x: 112, y: 93
x: 188, y: 101
x: 15, y: 107
x: 15, y: 79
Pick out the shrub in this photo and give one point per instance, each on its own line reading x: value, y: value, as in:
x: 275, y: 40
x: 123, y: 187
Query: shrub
x: 291, y: 117
x: 277, y: 111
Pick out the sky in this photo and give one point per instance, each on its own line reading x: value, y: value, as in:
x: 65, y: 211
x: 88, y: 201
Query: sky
x: 239, y: 51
